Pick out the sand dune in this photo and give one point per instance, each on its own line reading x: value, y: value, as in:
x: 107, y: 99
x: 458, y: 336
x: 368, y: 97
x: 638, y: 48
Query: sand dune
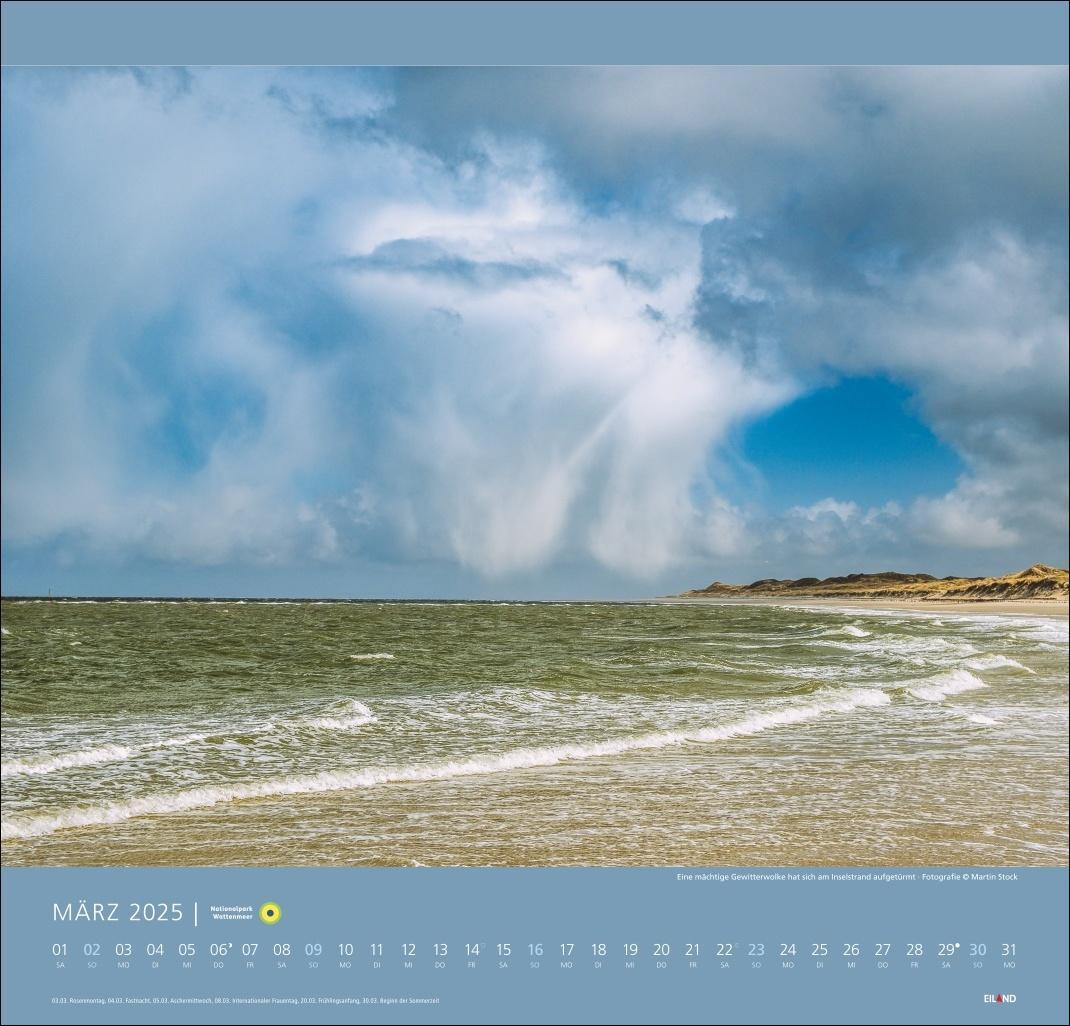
x: 1037, y: 582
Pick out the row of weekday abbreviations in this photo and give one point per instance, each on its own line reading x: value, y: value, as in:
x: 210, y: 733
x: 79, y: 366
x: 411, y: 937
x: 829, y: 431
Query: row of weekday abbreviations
x: 314, y: 955
x: 230, y: 999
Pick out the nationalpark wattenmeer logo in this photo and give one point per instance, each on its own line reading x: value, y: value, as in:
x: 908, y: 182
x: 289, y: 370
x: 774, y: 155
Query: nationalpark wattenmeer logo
x: 270, y: 913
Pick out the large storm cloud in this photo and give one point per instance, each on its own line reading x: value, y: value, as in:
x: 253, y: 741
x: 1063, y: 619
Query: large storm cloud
x: 508, y: 321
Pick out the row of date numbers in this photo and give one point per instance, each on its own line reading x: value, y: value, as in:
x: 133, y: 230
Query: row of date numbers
x: 817, y: 949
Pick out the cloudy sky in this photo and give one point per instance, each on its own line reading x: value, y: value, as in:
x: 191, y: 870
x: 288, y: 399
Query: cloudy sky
x: 529, y: 332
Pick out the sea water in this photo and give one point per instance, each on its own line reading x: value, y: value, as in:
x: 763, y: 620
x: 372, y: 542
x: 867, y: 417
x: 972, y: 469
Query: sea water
x: 530, y: 734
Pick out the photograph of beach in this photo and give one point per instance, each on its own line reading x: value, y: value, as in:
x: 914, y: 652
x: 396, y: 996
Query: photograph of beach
x: 534, y: 466
x: 531, y: 734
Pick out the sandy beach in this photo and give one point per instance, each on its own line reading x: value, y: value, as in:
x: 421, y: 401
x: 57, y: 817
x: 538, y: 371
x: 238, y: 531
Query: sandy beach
x: 688, y: 731
x: 1023, y: 607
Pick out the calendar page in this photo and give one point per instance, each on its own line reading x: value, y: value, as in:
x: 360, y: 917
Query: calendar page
x: 534, y: 513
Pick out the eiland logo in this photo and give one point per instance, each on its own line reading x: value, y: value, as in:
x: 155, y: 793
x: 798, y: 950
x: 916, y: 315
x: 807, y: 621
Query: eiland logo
x: 1000, y: 999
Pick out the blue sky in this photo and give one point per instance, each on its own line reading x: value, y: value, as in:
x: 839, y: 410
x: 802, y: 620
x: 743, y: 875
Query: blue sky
x: 529, y: 332
x: 860, y: 437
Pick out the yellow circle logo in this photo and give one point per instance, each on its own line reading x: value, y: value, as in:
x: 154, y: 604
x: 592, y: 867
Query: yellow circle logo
x: 270, y: 912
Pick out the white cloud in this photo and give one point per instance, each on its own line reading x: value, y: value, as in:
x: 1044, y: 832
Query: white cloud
x: 247, y: 319
x: 967, y: 517
x: 566, y: 410
x: 836, y: 528
x: 843, y: 511
x: 978, y: 332
x: 523, y: 379
x: 701, y: 205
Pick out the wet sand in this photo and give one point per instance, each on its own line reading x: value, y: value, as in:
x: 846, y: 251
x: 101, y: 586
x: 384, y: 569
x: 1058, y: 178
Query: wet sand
x: 760, y: 733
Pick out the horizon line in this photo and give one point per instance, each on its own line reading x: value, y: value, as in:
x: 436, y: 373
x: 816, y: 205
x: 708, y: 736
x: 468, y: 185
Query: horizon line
x: 293, y: 598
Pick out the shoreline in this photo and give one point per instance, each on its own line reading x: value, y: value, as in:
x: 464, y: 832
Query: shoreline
x: 1011, y: 607
x: 1052, y: 608
x: 820, y: 732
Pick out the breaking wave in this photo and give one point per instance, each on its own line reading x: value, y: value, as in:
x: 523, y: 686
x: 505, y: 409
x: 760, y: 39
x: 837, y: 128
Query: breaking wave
x: 345, y: 715
x: 520, y: 758
x: 997, y: 662
x: 937, y: 688
x: 66, y: 760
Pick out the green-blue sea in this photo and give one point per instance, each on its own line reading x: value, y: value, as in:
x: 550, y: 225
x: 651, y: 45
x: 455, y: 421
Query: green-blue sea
x: 230, y: 733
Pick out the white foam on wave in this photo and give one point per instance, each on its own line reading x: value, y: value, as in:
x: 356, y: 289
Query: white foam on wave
x: 368, y: 656
x: 66, y: 760
x: 110, y: 753
x: 351, y: 715
x: 1054, y: 632
x: 94, y: 756
x: 355, y: 714
x: 185, y: 739
x: 929, y: 651
x: 955, y: 682
x: 853, y: 631
x: 520, y: 758
x: 997, y: 662
x: 982, y: 719
x: 5, y: 631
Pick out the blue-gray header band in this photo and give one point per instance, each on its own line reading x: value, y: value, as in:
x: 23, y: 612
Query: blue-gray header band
x: 421, y: 33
